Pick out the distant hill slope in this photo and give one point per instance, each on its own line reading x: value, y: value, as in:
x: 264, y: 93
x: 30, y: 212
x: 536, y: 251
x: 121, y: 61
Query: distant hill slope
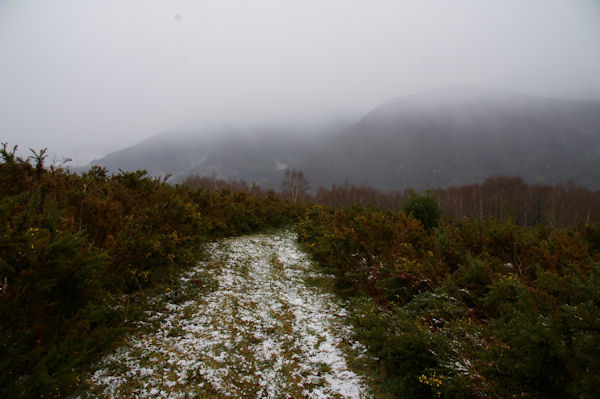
x: 460, y: 135
x: 256, y: 155
x: 444, y: 137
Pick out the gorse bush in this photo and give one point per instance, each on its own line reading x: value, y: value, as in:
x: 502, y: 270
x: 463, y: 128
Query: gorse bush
x: 78, y: 252
x: 470, y: 309
x: 425, y: 208
x: 456, y: 308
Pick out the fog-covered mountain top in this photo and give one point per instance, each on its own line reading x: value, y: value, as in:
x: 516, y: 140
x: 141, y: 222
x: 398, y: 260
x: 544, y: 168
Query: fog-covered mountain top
x: 458, y: 135
x: 447, y: 136
x: 255, y: 154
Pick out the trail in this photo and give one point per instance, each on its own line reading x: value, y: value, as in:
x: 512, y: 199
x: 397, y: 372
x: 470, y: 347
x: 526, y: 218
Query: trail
x: 248, y: 326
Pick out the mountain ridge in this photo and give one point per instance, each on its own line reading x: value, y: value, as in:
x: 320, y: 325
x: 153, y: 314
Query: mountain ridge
x: 439, y: 139
x: 447, y: 136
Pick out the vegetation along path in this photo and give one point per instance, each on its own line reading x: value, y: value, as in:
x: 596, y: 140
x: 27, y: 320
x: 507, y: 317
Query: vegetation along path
x: 245, y: 323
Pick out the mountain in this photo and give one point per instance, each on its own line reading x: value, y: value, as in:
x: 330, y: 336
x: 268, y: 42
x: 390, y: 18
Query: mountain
x: 461, y: 135
x: 254, y: 155
x: 444, y: 137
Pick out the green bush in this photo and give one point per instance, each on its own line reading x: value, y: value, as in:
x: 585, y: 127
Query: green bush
x: 78, y: 253
x: 425, y: 208
x: 470, y: 309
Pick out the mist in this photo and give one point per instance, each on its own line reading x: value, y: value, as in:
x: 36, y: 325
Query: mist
x: 84, y: 78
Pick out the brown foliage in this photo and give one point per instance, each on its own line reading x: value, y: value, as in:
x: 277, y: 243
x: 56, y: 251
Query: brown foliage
x: 500, y: 198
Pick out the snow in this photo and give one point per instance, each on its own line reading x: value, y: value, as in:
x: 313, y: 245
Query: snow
x: 262, y: 333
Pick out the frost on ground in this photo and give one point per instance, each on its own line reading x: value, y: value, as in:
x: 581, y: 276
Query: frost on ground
x: 259, y: 332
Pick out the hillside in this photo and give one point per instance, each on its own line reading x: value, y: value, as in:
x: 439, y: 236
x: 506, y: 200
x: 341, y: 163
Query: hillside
x: 254, y: 155
x: 461, y: 135
x: 450, y: 136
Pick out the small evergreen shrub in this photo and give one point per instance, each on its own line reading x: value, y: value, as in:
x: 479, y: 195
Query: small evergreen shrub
x: 471, y: 309
x: 425, y: 208
x: 78, y: 253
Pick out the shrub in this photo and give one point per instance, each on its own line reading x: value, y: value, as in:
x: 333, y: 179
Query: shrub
x: 78, y: 253
x: 473, y: 308
x: 425, y: 208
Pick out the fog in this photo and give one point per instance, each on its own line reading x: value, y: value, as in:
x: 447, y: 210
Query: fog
x: 88, y: 77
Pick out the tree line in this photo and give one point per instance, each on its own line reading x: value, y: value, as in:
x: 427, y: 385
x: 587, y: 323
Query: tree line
x: 501, y: 198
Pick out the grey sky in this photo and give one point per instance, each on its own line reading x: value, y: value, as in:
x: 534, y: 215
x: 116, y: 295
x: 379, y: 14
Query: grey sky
x: 86, y: 77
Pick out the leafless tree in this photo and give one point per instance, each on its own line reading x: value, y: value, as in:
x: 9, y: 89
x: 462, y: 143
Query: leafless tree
x: 294, y: 185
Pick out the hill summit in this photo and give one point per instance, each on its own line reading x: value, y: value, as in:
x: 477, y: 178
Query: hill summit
x: 444, y: 137
x: 461, y: 135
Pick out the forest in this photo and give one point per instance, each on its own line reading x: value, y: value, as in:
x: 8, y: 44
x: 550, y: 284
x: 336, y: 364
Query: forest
x: 488, y: 290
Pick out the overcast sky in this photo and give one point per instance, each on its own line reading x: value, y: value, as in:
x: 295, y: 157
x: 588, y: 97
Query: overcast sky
x: 87, y: 77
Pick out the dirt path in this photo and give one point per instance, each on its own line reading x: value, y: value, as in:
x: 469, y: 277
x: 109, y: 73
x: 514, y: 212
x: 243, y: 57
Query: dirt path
x: 248, y: 326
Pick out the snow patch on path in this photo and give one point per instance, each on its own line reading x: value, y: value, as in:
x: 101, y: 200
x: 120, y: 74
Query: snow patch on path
x: 262, y: 333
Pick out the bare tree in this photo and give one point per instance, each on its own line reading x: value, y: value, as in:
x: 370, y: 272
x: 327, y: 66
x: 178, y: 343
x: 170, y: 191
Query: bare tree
x: 294, y: 185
